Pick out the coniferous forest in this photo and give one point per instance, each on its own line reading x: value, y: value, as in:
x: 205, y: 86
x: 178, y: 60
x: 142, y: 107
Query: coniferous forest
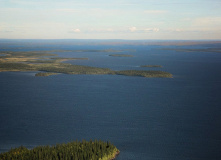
x: 76, y: 150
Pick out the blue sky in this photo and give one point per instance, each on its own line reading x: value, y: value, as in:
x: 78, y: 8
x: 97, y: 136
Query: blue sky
x: 114, y: 19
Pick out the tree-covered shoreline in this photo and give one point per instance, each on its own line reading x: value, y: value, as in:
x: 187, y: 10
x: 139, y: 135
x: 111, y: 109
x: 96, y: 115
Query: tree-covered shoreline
x: 48, y: 64
x: 76, y: 150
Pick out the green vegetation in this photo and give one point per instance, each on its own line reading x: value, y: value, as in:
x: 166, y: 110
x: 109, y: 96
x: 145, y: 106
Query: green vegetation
x: 149, y: 74
x: 121, y: 55
x: 51, y: 65
x: 85, y: 150
x: 54, y: 60
x: 27, y: 54
x: 55, y: 68
x: 10, y: 66
x: 44, y: 74
x: 72, y: 69
x: 152, y: 66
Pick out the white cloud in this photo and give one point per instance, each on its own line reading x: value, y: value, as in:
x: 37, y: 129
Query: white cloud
x: 140, y: 30
x: 152, y: 30
x: 179, y: 30
x: 201, y: 24
x: 155, y: 11
x: 101, y: 30
x: 133, y: 29
x: 109, y: 30
x: 76, y: 30
x: 183, y: 30
x: 208, y: 22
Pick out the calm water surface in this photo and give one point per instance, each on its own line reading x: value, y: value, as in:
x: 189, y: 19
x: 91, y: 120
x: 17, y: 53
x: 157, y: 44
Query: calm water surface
x: 146, y: 118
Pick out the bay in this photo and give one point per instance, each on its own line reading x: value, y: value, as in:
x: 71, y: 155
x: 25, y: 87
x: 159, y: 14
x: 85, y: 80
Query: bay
x: 146, y: 118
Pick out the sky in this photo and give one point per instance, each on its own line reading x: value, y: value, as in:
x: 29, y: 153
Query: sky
x: 113, y: 19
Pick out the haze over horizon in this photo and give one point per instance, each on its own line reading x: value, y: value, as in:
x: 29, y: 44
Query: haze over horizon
x: 116, y: 19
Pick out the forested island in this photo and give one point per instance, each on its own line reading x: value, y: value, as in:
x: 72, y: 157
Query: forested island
x: 47, y: 64
x: 76, y: 150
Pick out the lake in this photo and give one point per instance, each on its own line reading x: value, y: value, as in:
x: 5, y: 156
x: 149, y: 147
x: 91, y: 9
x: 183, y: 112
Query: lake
x: 175, y: 118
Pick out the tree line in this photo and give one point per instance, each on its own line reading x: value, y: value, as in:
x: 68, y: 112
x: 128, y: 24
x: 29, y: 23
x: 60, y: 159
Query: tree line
x: 76, y: 150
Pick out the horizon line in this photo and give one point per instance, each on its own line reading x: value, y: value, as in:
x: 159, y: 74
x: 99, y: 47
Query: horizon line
x: 111, y: 39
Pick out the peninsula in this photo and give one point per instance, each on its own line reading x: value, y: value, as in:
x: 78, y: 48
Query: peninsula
x: 85, y: 150
x: 47, y: 63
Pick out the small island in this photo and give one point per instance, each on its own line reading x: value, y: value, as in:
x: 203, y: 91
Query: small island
x: 48, y: 64
x: 45, y: 74
x: 85, y: 150
x: 148, y: 74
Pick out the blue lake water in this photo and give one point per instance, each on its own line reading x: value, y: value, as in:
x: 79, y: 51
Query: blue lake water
x: 146, y: 118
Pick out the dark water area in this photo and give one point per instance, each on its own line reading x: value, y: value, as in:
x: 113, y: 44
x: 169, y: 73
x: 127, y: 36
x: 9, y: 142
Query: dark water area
x: 146, y: 118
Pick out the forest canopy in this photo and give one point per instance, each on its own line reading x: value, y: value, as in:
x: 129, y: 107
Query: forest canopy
x: 76, y: 150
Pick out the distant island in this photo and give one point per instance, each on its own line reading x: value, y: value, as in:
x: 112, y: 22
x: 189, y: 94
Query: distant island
x: 44, y: 74
x: 85, y: 150
x: 216, y: 50
x: 121, y: 55
x: 149, y: 74
x: 48, y: 64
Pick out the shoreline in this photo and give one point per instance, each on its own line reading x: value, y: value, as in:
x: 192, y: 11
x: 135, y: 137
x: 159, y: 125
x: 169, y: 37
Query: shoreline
x: 96, y: 149
x: 36, y: 61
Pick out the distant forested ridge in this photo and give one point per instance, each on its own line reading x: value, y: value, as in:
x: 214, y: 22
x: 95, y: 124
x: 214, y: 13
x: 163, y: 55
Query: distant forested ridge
x: 85, y: 150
